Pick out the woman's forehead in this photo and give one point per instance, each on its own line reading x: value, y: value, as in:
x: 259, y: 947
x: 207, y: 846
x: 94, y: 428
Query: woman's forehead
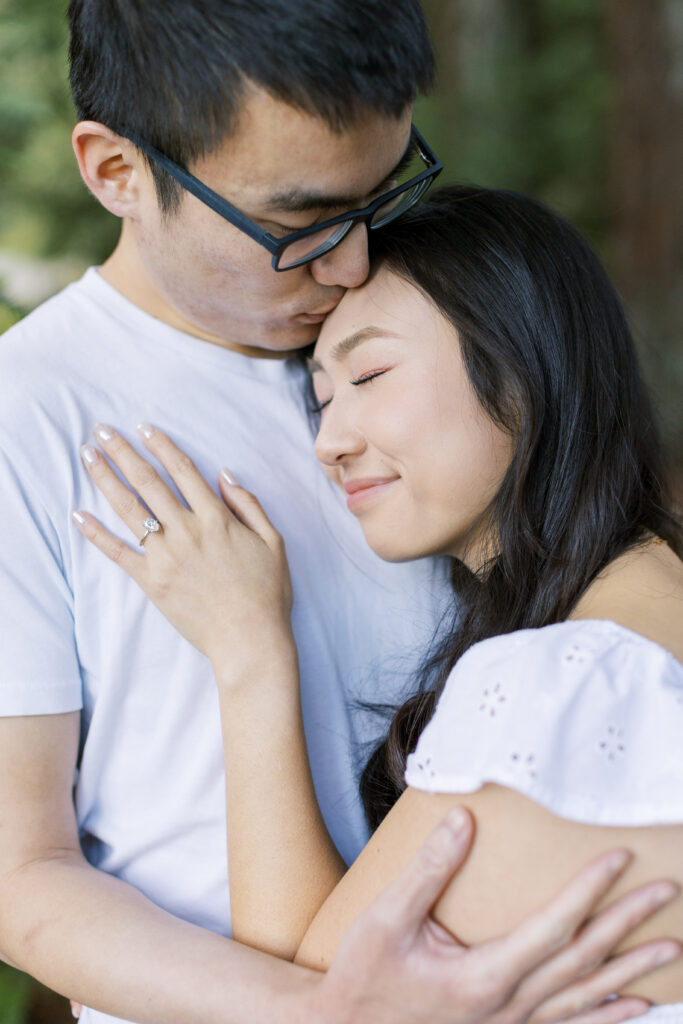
x: 385, y: 302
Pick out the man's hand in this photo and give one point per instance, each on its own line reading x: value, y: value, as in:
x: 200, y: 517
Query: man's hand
x: 396, y: 964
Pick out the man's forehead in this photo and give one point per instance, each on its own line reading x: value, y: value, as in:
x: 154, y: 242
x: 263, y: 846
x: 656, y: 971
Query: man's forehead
x: 303, y: 197
x: 284, y: 154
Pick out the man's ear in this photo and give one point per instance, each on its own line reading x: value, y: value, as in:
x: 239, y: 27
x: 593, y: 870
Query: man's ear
x: 111, y: 167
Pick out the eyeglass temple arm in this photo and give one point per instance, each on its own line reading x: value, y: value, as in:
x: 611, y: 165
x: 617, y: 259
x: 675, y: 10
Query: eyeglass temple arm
x: 202, y: 192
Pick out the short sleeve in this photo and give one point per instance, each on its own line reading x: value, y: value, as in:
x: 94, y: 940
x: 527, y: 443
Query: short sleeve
x: 39, y: 671
x: 583, y: 717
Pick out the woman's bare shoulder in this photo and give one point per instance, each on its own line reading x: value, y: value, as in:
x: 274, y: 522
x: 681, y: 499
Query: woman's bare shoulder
x: 643, y: 591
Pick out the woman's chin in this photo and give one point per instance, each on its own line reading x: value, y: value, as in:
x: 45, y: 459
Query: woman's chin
x: 393, y: 548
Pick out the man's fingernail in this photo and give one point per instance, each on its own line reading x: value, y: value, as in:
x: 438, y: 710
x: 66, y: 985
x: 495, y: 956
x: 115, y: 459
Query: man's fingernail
x: 79, y: 518
x: 457, y: 819
x: 104, y: 432
x: 146, y: 429
x: 619, y: 860
x: 668, y: 955
x: 89, y: 454
x: 228, y: 477
x: 665, y: 893
x: 75, y: 1011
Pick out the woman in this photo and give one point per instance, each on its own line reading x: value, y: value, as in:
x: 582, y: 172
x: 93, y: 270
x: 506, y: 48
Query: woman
x: 479, y: 399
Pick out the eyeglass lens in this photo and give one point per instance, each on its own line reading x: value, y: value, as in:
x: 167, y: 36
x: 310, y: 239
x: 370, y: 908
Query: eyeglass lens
x: 303, y: 250
x: 309, y: 248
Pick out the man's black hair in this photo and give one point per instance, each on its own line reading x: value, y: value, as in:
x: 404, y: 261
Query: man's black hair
x: 174, y: 72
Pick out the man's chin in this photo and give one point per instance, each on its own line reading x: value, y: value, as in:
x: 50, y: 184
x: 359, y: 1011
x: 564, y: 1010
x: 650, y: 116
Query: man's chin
x: 291, y: 337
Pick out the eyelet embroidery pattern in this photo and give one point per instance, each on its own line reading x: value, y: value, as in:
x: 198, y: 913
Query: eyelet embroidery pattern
x: 597, y: 764
x: 491, y: 697
x: 523, y: 764
x: 612, y: 745
x: 427, y: 768
x: 576, y: 654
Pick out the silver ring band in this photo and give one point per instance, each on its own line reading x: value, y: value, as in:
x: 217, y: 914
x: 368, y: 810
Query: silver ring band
x: 151, y: 525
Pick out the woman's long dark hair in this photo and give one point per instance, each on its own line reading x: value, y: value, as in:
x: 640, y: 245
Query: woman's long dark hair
x: 550, y: 356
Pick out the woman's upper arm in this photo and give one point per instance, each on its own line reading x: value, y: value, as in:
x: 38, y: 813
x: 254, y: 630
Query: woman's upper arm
x: 380, y: 862
x: 521, y: 856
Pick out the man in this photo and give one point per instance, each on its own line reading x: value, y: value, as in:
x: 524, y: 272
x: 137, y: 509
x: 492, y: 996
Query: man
x: 293, y: 113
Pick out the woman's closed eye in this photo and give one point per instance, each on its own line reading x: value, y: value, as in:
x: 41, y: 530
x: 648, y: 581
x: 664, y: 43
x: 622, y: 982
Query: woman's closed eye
x: 364, y: 378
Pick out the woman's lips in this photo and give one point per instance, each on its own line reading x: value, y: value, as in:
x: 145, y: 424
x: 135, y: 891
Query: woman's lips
x: 364, y: 488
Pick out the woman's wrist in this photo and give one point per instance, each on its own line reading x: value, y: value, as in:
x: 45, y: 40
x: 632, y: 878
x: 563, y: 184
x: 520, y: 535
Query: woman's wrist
x: 269, y: 658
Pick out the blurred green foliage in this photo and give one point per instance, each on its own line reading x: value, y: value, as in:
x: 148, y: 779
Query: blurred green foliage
x: 14, y: 996
x: 521, y: 101
x: 45, y: 210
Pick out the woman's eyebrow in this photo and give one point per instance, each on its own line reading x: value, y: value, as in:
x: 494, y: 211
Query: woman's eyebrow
x: 346, y: 345
x: 299, y: 200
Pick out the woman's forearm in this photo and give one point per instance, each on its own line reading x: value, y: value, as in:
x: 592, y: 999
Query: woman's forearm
x: 283, y: 863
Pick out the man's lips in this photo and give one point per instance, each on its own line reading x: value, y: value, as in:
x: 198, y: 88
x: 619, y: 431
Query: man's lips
x: 364, y: 487
x: 315, y: 317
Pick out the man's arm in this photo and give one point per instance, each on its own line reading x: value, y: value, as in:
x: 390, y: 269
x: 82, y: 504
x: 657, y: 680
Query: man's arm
x: 97, y: 939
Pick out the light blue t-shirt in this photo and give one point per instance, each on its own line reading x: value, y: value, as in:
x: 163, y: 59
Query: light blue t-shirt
x: 77, y: 633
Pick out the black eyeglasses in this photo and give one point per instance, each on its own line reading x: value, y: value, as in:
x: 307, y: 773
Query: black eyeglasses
x: 309, y: 244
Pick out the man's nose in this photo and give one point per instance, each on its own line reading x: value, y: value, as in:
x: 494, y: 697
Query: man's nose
x: 348, y: 263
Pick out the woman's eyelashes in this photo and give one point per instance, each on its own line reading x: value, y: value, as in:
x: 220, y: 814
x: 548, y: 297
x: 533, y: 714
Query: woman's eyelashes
x: 364, y: 378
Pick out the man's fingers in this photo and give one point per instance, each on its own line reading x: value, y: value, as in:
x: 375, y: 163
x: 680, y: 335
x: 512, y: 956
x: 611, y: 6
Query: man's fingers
x: 606, y: 931
x: 612, y: 1012
x: 613, y: 976
x: 547, y: 930
x: 113, y: 547
x: 409, y: 900
x: 591, y: 947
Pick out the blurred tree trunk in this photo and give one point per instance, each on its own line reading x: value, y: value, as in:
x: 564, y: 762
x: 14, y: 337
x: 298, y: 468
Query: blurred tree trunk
x: 646, y: 140
x: 645, y: 51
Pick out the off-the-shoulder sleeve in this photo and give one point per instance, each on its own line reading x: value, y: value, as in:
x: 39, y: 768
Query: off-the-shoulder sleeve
x: 583, y: 717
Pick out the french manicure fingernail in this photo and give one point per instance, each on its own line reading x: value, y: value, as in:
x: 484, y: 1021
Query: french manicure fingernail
x: 89, y: 454
x: 104, y: 432
x: 228, y: 477
x: 79, y: 518
x: 146, y: 429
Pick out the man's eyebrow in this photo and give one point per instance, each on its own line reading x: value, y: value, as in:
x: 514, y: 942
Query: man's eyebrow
x: 346, y: 345
x: 298, y: 200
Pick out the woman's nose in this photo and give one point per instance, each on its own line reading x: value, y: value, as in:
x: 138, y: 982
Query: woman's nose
x: 337, y: 439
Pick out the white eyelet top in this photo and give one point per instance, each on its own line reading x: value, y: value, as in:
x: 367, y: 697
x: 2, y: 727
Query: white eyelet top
x: 584, y: 717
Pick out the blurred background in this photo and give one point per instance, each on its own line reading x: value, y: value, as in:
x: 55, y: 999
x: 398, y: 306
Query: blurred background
x: 578, y: 102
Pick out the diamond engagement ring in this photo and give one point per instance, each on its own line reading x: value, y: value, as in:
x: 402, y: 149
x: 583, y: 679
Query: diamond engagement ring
x: 151, y: 525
